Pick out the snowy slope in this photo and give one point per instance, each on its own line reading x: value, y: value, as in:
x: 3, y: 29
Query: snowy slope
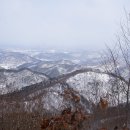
x: 10, y: 81
x: 94, y: 85
x: 9, y: 60
x: 53, y: 100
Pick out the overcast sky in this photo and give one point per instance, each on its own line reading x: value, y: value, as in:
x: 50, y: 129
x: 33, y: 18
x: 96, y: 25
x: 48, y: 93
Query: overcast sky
x: 60, y: 24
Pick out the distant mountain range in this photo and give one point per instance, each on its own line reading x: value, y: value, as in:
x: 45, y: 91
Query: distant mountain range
x: 48, y: 76
x: 51, y: 63
x: 11, y: 60
x: 52, y: 68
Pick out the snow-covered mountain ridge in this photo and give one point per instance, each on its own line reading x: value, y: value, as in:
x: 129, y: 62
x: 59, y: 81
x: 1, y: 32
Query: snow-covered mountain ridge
x: 11, y: 80
x: 88, y: 84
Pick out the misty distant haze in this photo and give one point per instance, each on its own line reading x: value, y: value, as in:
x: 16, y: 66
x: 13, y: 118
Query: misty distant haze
x: 60, y: 24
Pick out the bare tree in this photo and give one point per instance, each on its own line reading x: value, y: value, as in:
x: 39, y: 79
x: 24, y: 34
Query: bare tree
x: 117, y: 63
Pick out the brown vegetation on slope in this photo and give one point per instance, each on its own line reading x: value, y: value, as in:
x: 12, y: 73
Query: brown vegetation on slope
x: 103, y: 104
x: 68, y: 120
